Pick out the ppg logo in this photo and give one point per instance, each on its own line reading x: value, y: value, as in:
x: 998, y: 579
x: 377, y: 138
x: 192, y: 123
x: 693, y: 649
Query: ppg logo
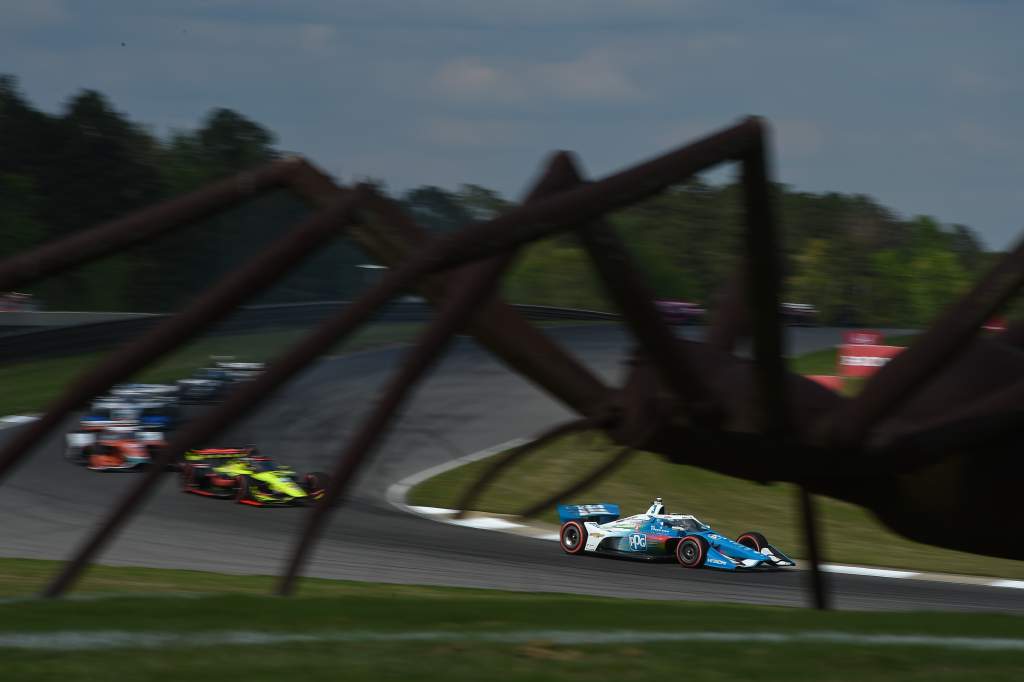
x: 637, y: 542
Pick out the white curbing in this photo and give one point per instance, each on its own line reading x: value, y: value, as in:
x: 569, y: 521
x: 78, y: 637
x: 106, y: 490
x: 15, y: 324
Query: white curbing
x: 397, y: 492
x: 16, y: 420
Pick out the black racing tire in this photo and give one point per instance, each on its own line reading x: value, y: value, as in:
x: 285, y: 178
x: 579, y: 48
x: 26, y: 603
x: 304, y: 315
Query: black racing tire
x: 573, y: 537
x: 78, y: 457
x: 192, y: 477
x: 315, y: 481
x: 691, y: 551
x: 753, y: 540
x: 242, y: 489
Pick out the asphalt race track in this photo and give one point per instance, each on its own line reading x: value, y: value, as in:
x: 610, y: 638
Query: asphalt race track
x: 469, y: 403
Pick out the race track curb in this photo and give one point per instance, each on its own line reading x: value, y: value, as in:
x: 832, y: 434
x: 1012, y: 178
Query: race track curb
x: 397, y: 496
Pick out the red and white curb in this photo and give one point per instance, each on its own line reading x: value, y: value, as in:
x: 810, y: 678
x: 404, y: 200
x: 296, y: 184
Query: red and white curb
x: 397, y: 494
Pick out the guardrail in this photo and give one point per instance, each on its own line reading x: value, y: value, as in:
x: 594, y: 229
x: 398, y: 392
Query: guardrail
x: 84, y: 337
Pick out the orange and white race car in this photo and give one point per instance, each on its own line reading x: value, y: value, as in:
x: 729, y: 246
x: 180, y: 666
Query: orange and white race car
x: 114, y: 448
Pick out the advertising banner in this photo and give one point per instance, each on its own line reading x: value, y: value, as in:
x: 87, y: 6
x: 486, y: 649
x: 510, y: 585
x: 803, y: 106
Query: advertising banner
x: 863, y: 361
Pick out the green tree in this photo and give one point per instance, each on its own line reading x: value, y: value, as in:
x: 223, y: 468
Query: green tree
x: 936, y: 280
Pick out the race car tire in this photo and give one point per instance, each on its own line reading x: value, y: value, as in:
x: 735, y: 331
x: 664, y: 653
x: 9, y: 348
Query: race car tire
x: 242, y: 491
x: 753, y: 540
x: 78, y: 456
x: 192, y: 477
x: 315, y: 481
x: 573, y: 537
x: 691, y: 551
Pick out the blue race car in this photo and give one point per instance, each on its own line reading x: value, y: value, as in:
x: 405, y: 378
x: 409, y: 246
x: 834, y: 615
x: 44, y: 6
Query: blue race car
x: 597, y: 528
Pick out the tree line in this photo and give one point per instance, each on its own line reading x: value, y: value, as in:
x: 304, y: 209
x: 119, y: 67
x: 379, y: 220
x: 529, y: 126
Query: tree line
x: 855, y: 260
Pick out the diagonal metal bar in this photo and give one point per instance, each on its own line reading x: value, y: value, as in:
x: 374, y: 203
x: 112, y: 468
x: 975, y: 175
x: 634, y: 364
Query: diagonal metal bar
x: 494, y: 237
x: 617, y: 460
x: 763, y: 287
x: 635, y: 299
x: 497, y: 325
x: 260, y: 272
x: 88, y: 245
x: 588, y: 202
x: 256, y: 275
x: 476, y: 286
x: 908, y: 372
x: 732, y: 315
x: 516, y: 455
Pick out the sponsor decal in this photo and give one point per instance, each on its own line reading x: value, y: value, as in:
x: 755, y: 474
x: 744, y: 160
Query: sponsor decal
x: 584, y: 509
x: 637, y: 542
x: 863, y: 360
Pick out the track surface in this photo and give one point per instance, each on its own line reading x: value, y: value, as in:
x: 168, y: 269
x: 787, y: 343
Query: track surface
x: 469, y: 403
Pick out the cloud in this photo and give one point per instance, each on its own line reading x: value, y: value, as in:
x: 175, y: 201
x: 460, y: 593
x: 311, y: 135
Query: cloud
x: 976, y: 82
x: 595, y: 76
x: 469, y: 133
x: 18, y: 14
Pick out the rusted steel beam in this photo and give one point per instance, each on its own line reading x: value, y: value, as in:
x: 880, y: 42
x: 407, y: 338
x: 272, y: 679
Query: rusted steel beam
x: 615, y: 462
x: 763, y: 256
x: 470, y: 287
x: 453, y: 314
x: 394, y: 238
x: 907, y: 373
x: 88, y: 245
x: 492, y: 238
x: 516, y: 455
x: 731, y: 321
x: 259, y: 272
x: 763, y: 285
x: 816, y: 576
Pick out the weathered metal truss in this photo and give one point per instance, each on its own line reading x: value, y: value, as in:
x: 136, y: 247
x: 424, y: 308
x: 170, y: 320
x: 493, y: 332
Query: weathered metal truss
x: 929, y: 445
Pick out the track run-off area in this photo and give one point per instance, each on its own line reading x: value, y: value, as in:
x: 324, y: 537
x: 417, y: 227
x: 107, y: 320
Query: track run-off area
x: 469, y: 403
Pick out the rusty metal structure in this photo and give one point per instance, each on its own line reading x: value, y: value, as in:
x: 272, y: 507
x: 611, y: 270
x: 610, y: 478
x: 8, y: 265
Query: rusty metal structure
x: 929, y: 445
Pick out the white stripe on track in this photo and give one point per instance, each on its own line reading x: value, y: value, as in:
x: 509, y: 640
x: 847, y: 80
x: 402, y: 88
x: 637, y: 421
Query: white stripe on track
x: 80, y: 640
x: 865, y: 570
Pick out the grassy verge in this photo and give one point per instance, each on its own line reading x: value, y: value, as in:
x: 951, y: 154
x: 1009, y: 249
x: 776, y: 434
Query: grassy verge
x: 730, y: 505
x: 467, y: 634
x: 28, y: 386
x: 851, y: 534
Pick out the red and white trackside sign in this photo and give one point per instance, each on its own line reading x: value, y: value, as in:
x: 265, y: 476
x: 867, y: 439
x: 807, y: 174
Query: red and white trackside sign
x: 862, y: 361
x: 863, y: 337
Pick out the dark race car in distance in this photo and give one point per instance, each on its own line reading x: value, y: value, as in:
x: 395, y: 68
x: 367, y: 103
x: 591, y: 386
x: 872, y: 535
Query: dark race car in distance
x: 680, y: 312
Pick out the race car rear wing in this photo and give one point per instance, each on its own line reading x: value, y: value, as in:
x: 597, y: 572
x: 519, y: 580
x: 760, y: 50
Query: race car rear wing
x: 599, y: 513
x: 217, y: 453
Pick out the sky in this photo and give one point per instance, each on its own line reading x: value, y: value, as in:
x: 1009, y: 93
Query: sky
x: 919, y: 104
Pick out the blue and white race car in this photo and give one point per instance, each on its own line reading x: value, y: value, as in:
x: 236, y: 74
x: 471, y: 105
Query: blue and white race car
x: 597, y: 528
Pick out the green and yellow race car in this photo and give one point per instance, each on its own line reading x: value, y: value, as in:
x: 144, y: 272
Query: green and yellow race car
x: 248, y: 478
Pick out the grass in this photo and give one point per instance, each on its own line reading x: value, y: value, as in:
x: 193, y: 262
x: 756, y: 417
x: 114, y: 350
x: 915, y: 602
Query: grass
x: 29, y: 386
x: 337, y: 608
x: 852, y: 535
